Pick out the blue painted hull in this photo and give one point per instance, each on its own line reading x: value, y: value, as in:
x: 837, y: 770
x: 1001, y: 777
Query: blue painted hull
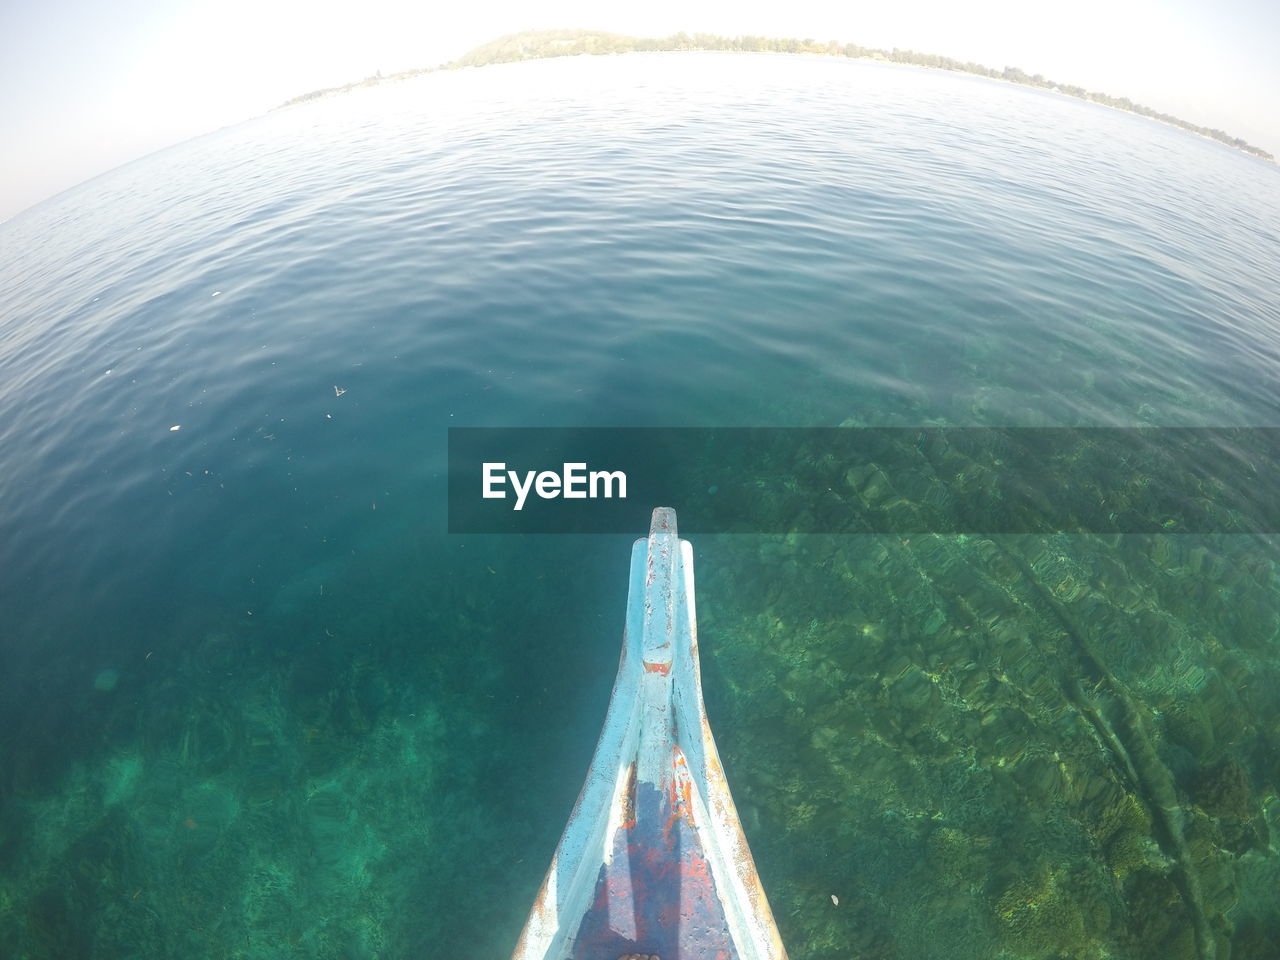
x: 653, y: 860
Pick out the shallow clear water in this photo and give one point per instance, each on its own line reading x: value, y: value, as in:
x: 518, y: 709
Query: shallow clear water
x: 251, y: 694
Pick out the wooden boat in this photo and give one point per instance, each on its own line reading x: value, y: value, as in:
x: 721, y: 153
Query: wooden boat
x: 653, y: 862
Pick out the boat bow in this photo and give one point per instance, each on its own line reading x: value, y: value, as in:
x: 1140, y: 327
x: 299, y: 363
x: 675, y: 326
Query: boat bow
x: 653, y: 860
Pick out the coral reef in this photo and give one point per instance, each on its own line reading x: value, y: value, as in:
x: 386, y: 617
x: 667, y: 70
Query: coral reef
x: 1017, y: 747
x: 1041, y: 919
x: 1224, y: 790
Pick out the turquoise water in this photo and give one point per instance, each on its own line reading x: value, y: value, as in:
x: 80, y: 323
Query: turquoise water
x: 251, y: 694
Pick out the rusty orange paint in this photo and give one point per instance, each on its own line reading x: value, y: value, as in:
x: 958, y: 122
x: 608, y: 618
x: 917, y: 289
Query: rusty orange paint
x: 679, y: 792
x: 628, y: 818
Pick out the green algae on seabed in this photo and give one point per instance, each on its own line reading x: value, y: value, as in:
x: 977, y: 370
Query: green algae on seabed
x: 910, y: 727
x: 322, y: 782
x: 1073, y: 762
x: 981, y: 747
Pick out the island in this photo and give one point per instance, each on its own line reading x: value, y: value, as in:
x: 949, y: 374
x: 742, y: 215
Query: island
x: 543, y: 44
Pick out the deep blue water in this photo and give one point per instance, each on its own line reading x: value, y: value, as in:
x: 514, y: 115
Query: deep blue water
x: 254, y: 623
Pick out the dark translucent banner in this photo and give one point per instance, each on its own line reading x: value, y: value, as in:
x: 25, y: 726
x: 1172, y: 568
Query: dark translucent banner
x: 866, y: 480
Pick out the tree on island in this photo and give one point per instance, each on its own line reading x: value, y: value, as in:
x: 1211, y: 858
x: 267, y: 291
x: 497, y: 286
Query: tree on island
x: 544, y: 44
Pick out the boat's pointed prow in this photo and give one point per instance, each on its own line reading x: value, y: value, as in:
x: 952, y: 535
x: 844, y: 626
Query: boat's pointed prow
x: 662, y: 521
x: 653, y: 860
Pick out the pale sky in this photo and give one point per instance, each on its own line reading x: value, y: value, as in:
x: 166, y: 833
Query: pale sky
x: 86, y: 85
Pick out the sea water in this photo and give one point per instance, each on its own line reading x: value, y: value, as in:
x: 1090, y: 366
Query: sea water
x: 253, y: 699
